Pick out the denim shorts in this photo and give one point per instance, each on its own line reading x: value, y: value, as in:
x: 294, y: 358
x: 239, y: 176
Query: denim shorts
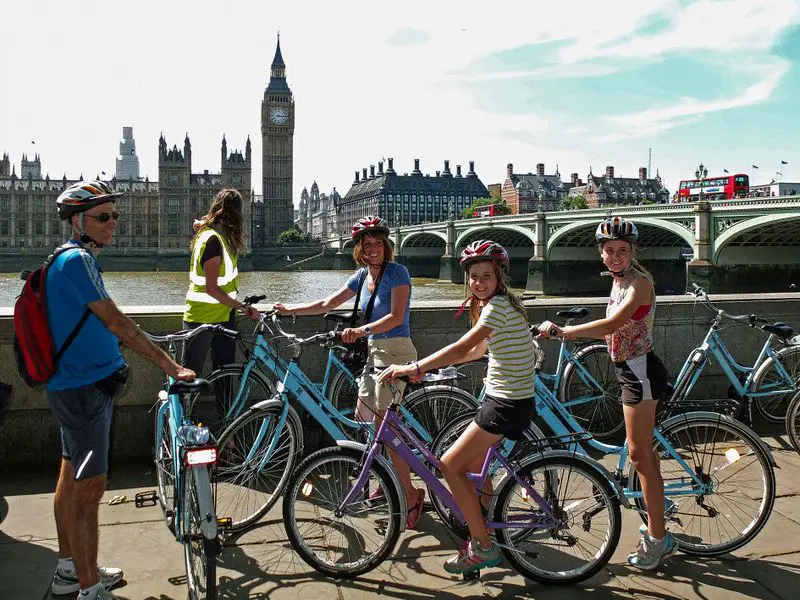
x: 84, y: 415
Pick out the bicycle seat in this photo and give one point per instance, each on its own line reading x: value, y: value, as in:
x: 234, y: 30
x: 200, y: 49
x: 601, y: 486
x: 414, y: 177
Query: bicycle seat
x: 782, y: 330
x: 576, y: 312
x: 189, y: 387
x: 336, y: 317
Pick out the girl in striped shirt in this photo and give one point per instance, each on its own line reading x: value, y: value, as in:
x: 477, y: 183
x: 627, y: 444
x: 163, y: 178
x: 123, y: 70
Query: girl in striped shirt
x: 501, y: 328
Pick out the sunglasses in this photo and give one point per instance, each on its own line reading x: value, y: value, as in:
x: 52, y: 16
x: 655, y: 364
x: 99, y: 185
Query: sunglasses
x: 105, y: 217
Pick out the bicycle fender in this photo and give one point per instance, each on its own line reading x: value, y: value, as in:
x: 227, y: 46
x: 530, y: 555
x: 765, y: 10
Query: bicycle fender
x: 444, y: 389
x: 362, y: 449
x: 730, y: 421
x: 291, y: 415
x: 205, y: 502
x: 616, y: 487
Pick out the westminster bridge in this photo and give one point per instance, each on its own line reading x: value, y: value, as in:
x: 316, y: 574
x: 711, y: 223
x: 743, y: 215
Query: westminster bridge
x: 725, y: 245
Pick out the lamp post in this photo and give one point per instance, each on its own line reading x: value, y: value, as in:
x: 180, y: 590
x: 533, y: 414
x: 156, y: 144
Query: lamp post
x: 451, y: 211
x: 701, y: 173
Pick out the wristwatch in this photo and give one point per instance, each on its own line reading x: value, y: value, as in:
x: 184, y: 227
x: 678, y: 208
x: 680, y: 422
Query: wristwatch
x: 367, y: 329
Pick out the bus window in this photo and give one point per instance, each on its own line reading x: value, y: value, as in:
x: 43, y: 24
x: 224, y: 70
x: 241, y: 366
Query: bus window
x: 683, y: 185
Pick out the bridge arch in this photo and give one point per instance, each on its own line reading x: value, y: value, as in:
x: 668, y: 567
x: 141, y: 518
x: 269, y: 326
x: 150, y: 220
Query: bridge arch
x: 764, y: 230
x: 576, y: 232
x: 506, y: 234
x: 423, y: 239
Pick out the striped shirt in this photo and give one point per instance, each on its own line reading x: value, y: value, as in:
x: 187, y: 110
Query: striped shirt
x: 511, y: 356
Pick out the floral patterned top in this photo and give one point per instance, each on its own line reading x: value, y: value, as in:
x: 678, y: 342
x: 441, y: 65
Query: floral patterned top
x: 635, y: 337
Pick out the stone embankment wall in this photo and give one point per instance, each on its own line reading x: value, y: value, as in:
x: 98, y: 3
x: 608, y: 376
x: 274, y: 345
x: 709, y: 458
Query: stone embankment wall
x: 29, y: 433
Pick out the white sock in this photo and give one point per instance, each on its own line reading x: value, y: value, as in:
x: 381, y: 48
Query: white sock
x: 66, y: 565
x: 92, y: 591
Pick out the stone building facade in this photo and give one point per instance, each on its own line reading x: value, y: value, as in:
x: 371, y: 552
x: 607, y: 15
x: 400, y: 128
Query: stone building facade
x: 609, y: 190
x: 317, y: 215
x: 524, y: 193
x: 408, y: 199
x: 127, y: 161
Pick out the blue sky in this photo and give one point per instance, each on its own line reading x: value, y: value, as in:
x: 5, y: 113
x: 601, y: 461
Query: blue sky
x: 576, y: 83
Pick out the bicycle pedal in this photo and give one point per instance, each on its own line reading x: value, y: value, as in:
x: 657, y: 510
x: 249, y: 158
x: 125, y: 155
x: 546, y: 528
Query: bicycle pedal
x: 146, y: 498
x: 224, y: 523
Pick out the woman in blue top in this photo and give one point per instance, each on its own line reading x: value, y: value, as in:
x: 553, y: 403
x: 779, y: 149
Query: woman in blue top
x: 388, y: 333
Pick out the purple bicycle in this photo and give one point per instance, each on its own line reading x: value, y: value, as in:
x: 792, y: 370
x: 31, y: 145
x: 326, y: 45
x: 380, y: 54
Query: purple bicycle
x: 554, y: 515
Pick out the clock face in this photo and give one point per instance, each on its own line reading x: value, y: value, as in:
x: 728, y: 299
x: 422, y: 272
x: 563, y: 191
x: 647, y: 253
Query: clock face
x: 278, y: 115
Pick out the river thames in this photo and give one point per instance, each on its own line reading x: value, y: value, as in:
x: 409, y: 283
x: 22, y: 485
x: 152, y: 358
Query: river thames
x: 169, y: 288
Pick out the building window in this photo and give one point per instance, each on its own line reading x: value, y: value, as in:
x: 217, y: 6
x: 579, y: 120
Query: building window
x: 4, y: 227
x: 172, y: 227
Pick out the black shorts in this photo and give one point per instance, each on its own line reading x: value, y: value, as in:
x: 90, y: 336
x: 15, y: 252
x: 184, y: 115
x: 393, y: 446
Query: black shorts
x: 505, y: 417
x: 642, y: 378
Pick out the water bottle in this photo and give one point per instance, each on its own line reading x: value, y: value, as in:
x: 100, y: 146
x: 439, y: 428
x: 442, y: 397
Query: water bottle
x: 192, y: 435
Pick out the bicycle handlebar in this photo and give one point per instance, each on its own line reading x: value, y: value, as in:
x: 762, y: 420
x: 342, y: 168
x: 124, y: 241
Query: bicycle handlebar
x: 700, y: 294
x: 314, y: 339
x: 250, y: 300
x: 534, y: 329
x: 187, y: 334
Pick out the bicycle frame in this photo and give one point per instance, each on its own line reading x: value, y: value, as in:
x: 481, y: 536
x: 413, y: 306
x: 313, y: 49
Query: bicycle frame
x: 396, y: 435
x: 566, y: 356
x: 714, y: 344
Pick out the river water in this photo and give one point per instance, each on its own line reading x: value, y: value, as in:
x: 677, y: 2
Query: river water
x: 169, y: 288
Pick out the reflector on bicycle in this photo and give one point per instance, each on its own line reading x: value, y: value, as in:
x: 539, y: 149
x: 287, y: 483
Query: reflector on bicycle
x: 732, y: 455
x: 307, y: 489
x: 201, y: 456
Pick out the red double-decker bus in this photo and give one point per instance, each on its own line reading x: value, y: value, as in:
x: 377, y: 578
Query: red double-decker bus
x: 715, y: 188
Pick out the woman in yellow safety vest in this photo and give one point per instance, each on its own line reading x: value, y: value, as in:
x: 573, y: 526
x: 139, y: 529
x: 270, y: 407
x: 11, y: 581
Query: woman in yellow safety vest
x: 216, y: 246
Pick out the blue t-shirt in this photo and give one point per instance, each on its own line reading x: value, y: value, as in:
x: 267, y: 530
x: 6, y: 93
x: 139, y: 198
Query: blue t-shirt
x: 394, y: 275
x: 73, y: 281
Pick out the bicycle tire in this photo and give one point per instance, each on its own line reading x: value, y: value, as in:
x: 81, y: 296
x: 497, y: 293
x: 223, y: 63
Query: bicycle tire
x: 597, y: 488
x: 165, y: 470
x: 793, y: 422
x: 602, y: 417
x: 200, y: 553
x: 233, y: 475
x: 773, y: 408
x: 709, y: 429
x: 345, y: 466
x: 437, y: 405
x: 261, y: 388
x: 342, y: 393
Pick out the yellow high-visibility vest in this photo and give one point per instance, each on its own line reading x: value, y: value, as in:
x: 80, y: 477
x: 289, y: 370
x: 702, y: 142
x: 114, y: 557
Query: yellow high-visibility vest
x: 200, y: 307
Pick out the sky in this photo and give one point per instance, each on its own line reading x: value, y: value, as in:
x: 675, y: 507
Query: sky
x: 576, y: 83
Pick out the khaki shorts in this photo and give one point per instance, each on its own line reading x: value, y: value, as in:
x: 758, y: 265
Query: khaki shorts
x: 382, y: 353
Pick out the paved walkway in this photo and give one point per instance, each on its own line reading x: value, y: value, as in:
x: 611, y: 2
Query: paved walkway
x: 263, y: 565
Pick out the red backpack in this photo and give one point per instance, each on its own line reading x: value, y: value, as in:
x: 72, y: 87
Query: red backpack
x: 34, y: 349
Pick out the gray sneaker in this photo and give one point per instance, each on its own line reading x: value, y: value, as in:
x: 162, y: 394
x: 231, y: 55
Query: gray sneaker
x: 650, y: 552
x: 471, y: 557
x: 67, y: 583
x: 670, y: 510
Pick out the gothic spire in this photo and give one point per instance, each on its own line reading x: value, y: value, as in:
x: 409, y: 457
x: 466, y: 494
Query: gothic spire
x: 278, y: 60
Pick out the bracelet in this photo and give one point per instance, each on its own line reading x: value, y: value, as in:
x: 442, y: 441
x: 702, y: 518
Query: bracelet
x: 419, y: 371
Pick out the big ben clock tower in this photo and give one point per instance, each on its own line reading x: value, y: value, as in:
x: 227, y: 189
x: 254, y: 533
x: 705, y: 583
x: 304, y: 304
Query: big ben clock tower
x: 277, y: 134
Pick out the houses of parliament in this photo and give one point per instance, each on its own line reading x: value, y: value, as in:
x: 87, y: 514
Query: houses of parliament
x: 157, y: 216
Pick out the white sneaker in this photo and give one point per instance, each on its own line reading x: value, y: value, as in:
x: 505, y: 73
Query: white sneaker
x: 102, y: 594
x: 67, y: 583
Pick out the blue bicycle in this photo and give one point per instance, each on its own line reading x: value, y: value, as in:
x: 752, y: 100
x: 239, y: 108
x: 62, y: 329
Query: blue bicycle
x: 264, y: 435
x: 185, y: 454
x: 718, y: 474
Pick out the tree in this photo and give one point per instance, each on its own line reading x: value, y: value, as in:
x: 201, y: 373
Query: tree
x: 576, y: 202
x: 290, y: 237
x: 500, y: 207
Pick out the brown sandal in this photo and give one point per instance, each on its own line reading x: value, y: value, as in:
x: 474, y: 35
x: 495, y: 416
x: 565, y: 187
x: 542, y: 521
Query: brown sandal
x: 415, y: 512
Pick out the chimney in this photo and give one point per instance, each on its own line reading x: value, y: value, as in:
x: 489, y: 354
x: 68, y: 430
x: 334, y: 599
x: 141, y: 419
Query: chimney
x: 391, y: 166
x: 458, y: 171
x: 438, y: 173
x: 509, y: 169
x: 380, y: 168
x: 364, y: 173
x: 357, y: 179
x: 575, y: 179
x: 609, y: 172
x: 642, y: 173
x: 372, y: 171
x: 416, y: 167
x: 447, y: 167
x: 472, y: 167
x: 540, y: 169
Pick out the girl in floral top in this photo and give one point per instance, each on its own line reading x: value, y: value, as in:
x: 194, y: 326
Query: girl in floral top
x: 628, y: 331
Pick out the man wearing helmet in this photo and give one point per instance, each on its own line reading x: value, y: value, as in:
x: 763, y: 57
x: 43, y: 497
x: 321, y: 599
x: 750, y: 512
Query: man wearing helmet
x: 386, y: 285
x: 628, y: 331
x: 89, y: 375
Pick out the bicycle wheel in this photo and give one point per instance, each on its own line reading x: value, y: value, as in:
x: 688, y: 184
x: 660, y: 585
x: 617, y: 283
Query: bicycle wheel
x: 597, y: 410
x: 435, y: 406
x: 348, y: 544
x: 793, y: 422
x: 246, y: 489
x: 211, y: 407
x: 773, y: 408
x: 165, y: 470
x: 342, y: 392
x: 728, y: 457
x: 200, y: 553
x: 588, y: 513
